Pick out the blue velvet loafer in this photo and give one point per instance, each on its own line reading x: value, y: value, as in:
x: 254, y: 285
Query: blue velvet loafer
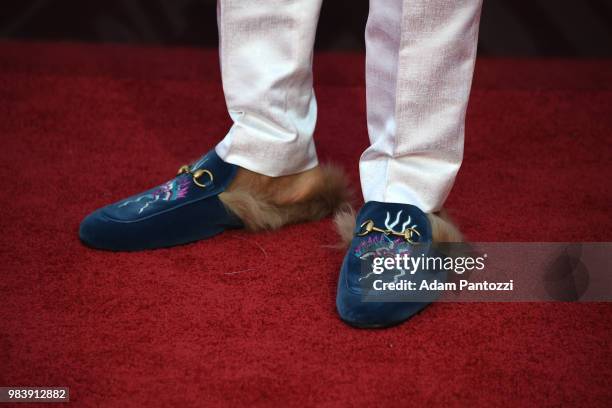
x: 367, y: 295
x: 185, y: 209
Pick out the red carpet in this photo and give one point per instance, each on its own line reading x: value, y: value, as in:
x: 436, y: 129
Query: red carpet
x: 249, y: 319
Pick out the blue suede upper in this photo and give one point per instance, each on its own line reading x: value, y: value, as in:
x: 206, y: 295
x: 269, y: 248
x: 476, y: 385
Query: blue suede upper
x: 356, y: 271
x: 176, y: 212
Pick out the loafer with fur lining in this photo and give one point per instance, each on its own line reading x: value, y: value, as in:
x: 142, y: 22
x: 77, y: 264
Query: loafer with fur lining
x: 205, y: 199
x: 184, y: 209
x: 384, y: 230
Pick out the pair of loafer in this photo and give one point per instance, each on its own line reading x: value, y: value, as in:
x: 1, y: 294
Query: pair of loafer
x: 187, y: 209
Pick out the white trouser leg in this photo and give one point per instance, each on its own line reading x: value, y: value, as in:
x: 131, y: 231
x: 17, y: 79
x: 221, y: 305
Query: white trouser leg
x: 266, y: 65
x: 420, y: 61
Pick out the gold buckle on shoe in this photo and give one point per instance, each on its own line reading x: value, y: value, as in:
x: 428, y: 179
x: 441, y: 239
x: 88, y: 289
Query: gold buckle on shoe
x: 407, y: 234
x: 195, y: 175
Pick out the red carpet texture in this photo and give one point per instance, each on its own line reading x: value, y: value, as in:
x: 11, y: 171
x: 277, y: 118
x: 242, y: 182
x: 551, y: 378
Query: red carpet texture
x: 249, y: 319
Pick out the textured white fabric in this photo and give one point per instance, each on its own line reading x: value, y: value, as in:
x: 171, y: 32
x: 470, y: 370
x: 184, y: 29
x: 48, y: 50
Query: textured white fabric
x: 266, y: 64
x: 419, y: 65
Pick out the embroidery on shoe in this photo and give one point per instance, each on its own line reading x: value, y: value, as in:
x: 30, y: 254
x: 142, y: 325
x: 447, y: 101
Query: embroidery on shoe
x: 381, y: 246
x: 387, y: 243
x: 203, y: 160
x: 170, y: 191
x: 407, y: 232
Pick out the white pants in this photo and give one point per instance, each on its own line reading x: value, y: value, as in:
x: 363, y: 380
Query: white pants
x: 419, y: 64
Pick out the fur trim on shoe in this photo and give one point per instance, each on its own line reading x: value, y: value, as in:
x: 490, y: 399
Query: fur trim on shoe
x: 318, y: 197
x: 442, y: 227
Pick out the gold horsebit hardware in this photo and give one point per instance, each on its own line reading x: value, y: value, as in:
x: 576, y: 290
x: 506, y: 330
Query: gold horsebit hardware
x: 196, y: 175
x: 407, y: 234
